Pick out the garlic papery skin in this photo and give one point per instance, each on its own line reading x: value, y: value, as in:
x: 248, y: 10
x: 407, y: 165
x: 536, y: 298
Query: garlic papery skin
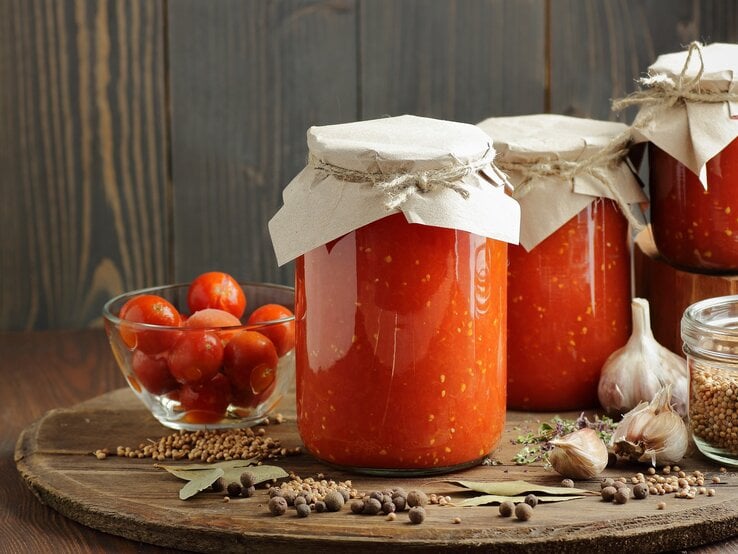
x: 579, y: 455
x: 652, y: 432
x: 638, y: 370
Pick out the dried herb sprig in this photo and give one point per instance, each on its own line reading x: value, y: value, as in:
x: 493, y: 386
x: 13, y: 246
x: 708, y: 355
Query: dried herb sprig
x: 538, y: 445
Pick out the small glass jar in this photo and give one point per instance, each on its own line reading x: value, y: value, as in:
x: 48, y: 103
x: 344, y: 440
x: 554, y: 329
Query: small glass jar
x: 696, y: 228
x: 710, y: 335
x: 400, y: 348
x: 569, y: 309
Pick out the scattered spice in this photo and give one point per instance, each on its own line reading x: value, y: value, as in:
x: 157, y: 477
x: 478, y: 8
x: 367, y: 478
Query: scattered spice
x: 303, y: 510
x: 531, y: 500
x: 333, y: 501
x: 506, y: 509
x: 416, y: 498
x: 523, y: 511
x: 234, y: 489
x: 391, y: 516
x: 661, y: 505
x: 608, y: 493
x: 277, y: 505
x: 568, y: 483
x: 640, y: 491
x: 712, y: 398
x: 621, y: 495
x: 416, y: 514
x: 210, y: 446
x: 457, y: 520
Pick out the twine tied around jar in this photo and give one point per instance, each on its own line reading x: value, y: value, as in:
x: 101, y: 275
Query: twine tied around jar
x: 664, y: 92
x: 567, y: 170
x: 398, y: 187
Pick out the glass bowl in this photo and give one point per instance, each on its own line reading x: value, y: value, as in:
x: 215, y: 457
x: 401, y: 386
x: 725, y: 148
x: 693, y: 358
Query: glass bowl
x: 240, y: 394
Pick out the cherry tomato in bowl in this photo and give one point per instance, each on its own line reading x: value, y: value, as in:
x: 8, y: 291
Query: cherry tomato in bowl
x: 250, y: 361
x: 216, y: 289
x: 151, y: 310
x: 281, y: 334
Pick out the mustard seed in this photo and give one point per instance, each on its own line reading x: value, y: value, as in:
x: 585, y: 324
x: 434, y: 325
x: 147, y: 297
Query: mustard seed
x: 506, y: 509
x: 523, y: 511
x: 417, y: 514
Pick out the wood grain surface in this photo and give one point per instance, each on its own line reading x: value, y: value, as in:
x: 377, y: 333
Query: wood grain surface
x: 47, y: 370
x: 145, y: 141
x: 130, y: 497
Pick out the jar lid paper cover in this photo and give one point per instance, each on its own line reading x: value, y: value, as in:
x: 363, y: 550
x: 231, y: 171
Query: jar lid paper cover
x: 559, y: 165
x: 692, y: 130
x: 435, y: 172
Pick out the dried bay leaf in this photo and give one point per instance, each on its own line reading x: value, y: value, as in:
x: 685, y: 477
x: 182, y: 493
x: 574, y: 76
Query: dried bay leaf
x: 498, y: 499
x: 201, y: 476
x: 202, y: 480
x: 515, y: 488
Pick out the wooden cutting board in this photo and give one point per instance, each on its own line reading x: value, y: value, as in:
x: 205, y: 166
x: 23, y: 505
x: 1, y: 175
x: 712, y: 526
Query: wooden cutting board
x: 131, y: 498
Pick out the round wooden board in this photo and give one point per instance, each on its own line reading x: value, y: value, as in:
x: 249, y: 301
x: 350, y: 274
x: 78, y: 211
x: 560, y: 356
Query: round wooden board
x: 131, y: 498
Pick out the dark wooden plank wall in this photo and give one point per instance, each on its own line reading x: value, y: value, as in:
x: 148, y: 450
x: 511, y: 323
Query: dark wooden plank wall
x: 145, y: 141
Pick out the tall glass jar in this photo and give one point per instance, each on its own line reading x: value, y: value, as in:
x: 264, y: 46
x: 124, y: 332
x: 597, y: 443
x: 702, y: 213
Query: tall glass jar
x: 694, y: 227
x: 710, y: 335
x: 401, y: 348
x: 399, y: 228
x: 569, y: 309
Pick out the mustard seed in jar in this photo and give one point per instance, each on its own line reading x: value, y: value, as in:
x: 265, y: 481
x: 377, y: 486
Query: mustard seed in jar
x: 710, y: 335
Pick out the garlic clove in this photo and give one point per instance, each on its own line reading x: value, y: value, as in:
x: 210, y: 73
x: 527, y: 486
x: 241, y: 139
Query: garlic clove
x: 579, y: 455
x: 638, y: 370
x: 652, y: 432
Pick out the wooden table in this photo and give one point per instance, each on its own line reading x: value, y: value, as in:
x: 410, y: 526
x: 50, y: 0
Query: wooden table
x: 45, y: 370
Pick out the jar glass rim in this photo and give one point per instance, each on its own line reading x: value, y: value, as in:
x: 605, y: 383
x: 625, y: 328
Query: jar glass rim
x: 711, y: 326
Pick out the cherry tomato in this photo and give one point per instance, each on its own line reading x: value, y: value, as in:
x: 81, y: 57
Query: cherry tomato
x: 216, y: 289
x: 282, y: 335
x: 206, y: 402
x: 212, y: 317
x: 152, y: 310
x: 250, y: 361
x: 153, y: 373
x: 196, y: 357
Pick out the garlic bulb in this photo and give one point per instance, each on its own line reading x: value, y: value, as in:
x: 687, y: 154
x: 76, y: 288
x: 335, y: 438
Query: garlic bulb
x: 638, y: 370
x: 652, y: 432
x: 579, y: 455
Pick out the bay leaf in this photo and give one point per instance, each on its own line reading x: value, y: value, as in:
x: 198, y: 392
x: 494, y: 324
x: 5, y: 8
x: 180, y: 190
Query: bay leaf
x: 514, y: 488
x: 201, y: 480
x: 498, y: 499
x: 225, y: 466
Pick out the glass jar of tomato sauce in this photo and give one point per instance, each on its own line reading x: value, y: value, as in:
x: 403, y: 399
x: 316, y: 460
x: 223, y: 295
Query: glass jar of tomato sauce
x: 696, y: 227
x: 689, y: 117
x: 401, y: 321
x: 569, y: 280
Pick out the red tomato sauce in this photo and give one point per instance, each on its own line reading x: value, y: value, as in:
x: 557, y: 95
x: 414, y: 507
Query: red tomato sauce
x: 695, y: 228
x: 400, y: 347
x: 568, y: 310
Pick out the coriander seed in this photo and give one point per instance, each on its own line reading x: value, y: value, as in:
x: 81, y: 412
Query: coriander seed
x: 661, y: 505
x: 457, y: 520
x: 391, y: 516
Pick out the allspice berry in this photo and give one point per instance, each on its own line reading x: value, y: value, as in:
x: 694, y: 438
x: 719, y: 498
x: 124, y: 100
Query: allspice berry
x: 218, y: 485
x: 299, y: 501
x: 523, y: 511
x: 567, y: 483
x: 608, y: 493
x: 622, y: 495
x: 388, y: 507
x: 417, y: 498
x: 277, y: 505
x: 357, y: 507
x: 416, y: 514
x: 507, y: 509
x: 247, y: 479
x: 531, y: 500
x: 334, y: 501
x: 303, y: 510
x: 372, y: 507
x: 400, y: 503
x: 640, y: 491
x: 234, y: 489
x: 320, y: 507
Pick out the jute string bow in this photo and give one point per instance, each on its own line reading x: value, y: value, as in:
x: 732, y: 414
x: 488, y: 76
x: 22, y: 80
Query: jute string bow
x: 567, y: 170
x: 664, y: 92
x: 398, y: 187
